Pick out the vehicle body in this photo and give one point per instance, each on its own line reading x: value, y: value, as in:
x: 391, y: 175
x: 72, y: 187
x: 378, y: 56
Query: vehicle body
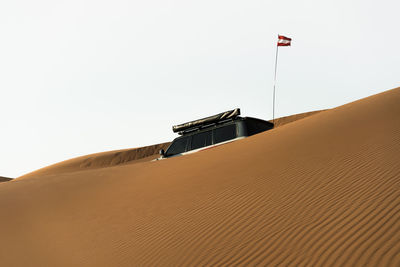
x: 213, y: 131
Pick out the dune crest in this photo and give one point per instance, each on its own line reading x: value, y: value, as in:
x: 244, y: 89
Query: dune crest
x: 292, y: 118
x: 321, y: 191
x: 101, y: 160
x: 126, y: 156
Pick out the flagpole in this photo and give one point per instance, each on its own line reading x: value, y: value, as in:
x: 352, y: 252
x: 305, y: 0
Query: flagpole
x: 273, y: 104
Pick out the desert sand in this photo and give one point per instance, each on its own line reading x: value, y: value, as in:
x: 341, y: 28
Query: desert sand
x: 127, y: 156
x: 320, y: 191
x: 101, y: 160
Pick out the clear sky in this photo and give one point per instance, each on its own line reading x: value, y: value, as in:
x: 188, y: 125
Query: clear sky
x: 84, y: 76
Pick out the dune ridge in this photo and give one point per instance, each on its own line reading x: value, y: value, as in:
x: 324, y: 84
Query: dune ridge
x: 127, y: 156
x: 292, y: 118
x: 101, y: 160
x: 321, y: 191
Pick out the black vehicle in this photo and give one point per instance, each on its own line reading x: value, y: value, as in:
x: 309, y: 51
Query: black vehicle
x: 213, y: 131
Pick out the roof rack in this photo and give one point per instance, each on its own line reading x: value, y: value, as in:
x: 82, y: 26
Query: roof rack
x: 206, y: 122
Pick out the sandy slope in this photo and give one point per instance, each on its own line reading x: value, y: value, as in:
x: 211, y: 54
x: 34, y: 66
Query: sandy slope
x: 126, y: 156
x: 101, y: 160
x: 320, y: 191
x: 288, y: 119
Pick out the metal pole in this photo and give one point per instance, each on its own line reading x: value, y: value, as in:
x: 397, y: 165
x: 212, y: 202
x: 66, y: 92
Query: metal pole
x: 273, y: 105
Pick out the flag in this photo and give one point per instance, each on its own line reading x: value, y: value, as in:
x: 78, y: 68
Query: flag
x: 284, y: 41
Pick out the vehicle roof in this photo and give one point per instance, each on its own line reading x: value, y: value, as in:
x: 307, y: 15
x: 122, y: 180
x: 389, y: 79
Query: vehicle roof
x: 221, y: 124
x: 204, y: 122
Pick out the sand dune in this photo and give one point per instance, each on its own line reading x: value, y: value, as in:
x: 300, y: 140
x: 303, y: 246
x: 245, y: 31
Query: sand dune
x: 4, y: 179
x: 101, y: 160
x: 288, y: 119
x: 127, y: 156
x: 321, y: 191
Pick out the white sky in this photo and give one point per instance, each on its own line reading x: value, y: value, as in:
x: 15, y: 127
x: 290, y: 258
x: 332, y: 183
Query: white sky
x: 79, y: 77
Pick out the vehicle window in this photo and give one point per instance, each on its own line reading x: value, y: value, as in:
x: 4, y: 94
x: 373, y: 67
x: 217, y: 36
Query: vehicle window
x: 201, y: 140
x: 255, y: 127
x: 225, y: 133
x: 178, y: 146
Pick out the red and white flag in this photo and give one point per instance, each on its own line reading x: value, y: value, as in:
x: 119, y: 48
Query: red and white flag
x: 284, y: 41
